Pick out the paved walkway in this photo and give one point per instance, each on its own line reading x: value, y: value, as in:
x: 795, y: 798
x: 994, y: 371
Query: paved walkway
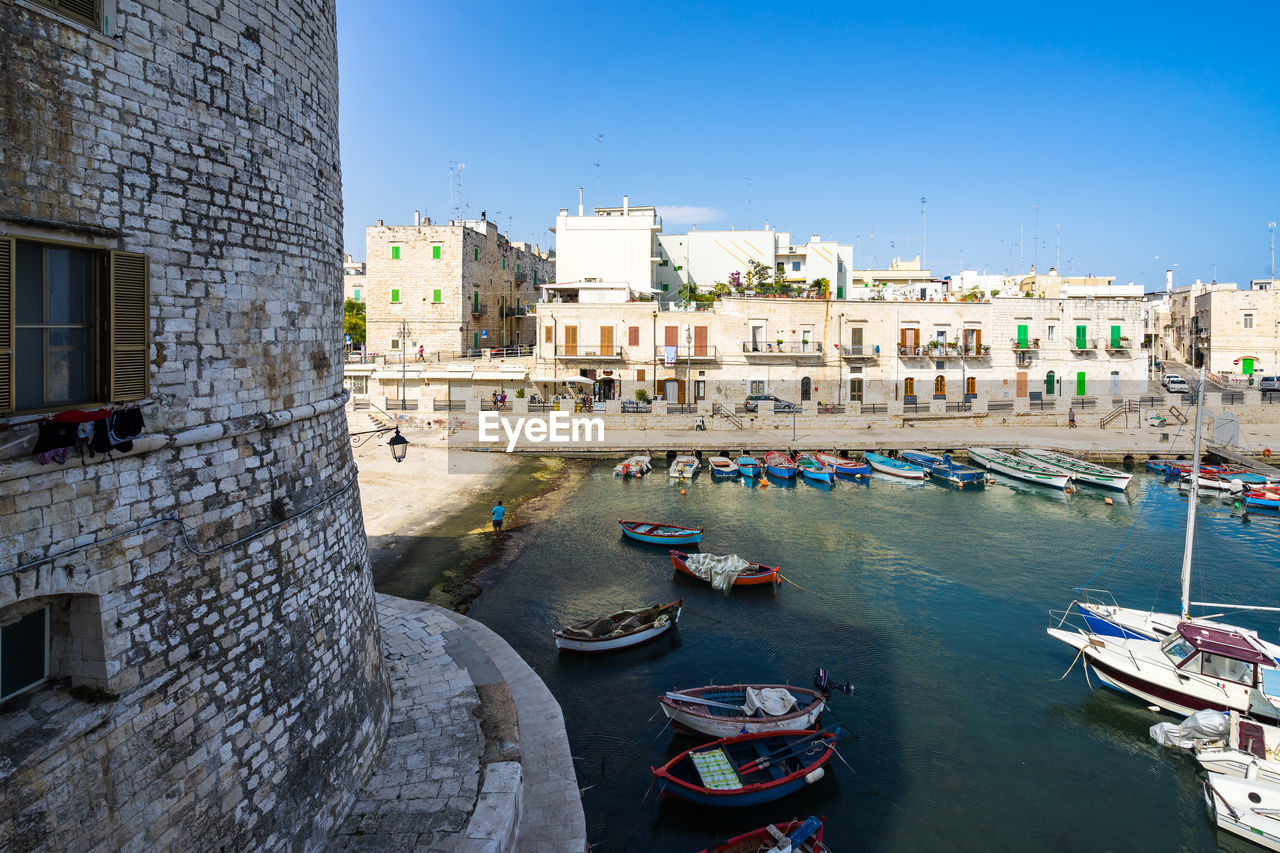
x: 476, y: 756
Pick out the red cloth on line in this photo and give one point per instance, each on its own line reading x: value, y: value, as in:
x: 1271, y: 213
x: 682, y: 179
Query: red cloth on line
x: 80, y: 416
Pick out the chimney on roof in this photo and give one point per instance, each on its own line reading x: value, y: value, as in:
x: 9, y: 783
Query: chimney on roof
x: 379, y: 223
x: 1168, y: 281
x: 579, y: 201
x: 626, y: 205
x: 417, y: 218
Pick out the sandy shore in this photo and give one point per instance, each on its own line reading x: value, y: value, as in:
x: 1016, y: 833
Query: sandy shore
x: 411, y: 497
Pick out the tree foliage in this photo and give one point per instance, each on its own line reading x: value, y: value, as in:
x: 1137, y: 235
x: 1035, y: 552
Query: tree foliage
x: 353, y: 323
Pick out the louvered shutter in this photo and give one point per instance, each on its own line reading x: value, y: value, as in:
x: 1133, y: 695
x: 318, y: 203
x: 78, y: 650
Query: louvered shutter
x: 84, y: 11
x: 129, y: 301
x: 6, y: 324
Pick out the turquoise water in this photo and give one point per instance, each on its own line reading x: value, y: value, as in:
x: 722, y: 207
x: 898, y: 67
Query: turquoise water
x: 934, y: 602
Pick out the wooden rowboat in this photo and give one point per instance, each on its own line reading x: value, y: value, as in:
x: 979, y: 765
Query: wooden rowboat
x: 748, y: 465
x: 721, y: 467
x: 749, y: 769
x: 780, y: 465
x: 718, y: 710
x: 754, y: 575
x: 844, y: 465
x: 894, y: 467
x: 801, y: 836
x: 661, y: 534
x: 813, y: 469
x: 619, y: 630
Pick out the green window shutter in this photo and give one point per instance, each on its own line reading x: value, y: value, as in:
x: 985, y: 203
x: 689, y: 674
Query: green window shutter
x: 129, y: 294
x: 1082, y: 333
x: 1080, y: 384
x: 477, y: 254
x: 395, y: 253
x: 435, y: 253
x: 517, y: 269
x: 475, y: 302
x: 1115, y: 337
x: 355, y: 294
x: 435, y: 296
x: 839, y: 291
x: 664, y: 286
x: 475, y: 340
x: 6, y: 324
x: 395, y: 294
x: 1022, y: 337
x: 535, y: 278
x: 504, y: 263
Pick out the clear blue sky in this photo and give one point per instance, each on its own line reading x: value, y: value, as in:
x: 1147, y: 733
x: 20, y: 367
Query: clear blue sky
x: 1150, y: 135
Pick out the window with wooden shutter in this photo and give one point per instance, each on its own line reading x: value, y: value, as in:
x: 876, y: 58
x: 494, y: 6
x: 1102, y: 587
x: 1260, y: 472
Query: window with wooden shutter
x: 129, y: 295
x: 633, y: 336
x: 87, y: 12
x: 546, y: 334
x: 6, y: 324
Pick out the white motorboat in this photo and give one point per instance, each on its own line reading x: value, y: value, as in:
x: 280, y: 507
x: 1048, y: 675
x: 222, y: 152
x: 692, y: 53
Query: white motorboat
x: 633, y: 466
x: 1226, y: 744
x: 684, y: 466
x: 1196, y: 665
x: 1082, y: 471
x: 1249, y: 808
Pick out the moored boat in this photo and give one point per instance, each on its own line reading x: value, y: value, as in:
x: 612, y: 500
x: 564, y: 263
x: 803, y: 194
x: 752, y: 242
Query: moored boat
x: 1248, y: 808
x: 728, y: 710
x: 794, y: 836
x: 619, y: 630
x: 945, y: 469
x: 661, y: 534
x: 812, y: 469
x: 749, y: 769
x: 748, y: 465
x: 634, y: 466
x: 1081, y: 471
x: 1018, y: 468
x: 684, y: 466
x: 844, y: 465
x: 725, y: 571
x: 780, y: 465
x: 720, y: 466
x: 894, y: 467
x: 1262, y: 499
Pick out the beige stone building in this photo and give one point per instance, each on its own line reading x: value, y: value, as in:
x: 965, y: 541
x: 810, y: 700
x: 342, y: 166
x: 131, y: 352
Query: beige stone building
x: 1233, y: 332
x: 836, y: 351
x: 450, y: 289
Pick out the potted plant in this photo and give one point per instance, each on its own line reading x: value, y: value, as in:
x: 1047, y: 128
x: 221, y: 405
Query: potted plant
x: 1035, y: 343
x: 519, y: 393
x: 779, y: 343
x: 986, y: 349
x: 642, y: 395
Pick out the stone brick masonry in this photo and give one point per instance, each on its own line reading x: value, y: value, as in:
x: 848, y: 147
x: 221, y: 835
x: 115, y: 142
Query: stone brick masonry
x: 210, y: 595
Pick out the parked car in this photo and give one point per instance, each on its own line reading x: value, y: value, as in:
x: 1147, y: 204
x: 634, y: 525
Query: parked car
x: 779, y: 405
x: 1269, y: 383
x: 1175, y: 384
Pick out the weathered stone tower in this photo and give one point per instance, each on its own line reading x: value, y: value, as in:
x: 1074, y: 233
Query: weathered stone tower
x: 189, y: 653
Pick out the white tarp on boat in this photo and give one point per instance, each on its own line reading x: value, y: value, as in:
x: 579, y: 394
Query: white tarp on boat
x: 721, y: 570
x: 1202, y: 726
x: 774, y: 701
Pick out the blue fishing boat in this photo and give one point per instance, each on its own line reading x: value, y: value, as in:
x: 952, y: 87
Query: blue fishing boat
x: 780, y: 465
x: 1262, y: 499
x: 661, y: 534
x: 748, y: 465
x: 844, y: 465
x: 814, y: 470
x: 894, y: 467
x: 749, y: 769
x: 944, y: 469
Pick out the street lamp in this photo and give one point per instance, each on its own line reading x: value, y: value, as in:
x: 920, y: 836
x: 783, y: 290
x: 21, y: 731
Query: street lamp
x: 688, y: 354
x: 399, y: 444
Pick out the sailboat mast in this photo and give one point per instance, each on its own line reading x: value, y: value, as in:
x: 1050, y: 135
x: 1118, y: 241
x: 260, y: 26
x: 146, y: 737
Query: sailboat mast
x: 1191, y: 503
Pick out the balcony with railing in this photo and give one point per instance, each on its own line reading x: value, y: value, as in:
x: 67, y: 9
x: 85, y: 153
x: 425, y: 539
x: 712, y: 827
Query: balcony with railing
x: 588, y: 353
x: 683, y: 352
x: 781, y: 350
x: 1080, y: 347
x: 859, y: 353
x: 1116, y: 344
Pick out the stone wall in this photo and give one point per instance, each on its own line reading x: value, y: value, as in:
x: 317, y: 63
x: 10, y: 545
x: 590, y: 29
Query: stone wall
x: 215, y: 673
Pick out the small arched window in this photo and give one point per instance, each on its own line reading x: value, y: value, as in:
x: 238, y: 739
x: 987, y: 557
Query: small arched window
x: 940, y: 386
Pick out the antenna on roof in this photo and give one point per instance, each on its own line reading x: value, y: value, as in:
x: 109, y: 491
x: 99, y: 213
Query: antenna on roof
x: 599, y: 158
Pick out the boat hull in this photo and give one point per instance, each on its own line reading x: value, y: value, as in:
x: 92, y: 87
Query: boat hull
x: 613, y: 644
x: 802, y: 770
x: 994, y: 463
x: 688, y: 718
x: 1231, y: 807
x: 748, y: 466
x: 689, y: 536
x: 883, y: 464
x: 771, y: 575
x: 1081, y: 471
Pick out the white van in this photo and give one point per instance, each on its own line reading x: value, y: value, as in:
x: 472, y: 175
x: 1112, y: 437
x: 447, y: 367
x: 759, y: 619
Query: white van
x: 1269, y: 383
x: 1175, y: 384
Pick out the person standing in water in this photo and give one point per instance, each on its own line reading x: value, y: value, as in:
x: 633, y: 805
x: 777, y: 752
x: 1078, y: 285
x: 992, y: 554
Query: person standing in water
x: 498, y: 513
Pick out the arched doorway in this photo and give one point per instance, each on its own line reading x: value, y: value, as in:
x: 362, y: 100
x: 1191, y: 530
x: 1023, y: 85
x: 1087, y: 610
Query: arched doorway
x: 908, y: 387
x: 1050, y: 384
x: 940, y: 386
x: 806, y: 388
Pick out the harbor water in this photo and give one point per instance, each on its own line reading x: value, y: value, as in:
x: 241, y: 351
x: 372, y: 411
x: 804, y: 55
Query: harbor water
x: 934, y: 603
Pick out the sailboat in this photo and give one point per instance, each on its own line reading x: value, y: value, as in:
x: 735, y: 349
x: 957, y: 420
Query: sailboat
x: 1179, y: 664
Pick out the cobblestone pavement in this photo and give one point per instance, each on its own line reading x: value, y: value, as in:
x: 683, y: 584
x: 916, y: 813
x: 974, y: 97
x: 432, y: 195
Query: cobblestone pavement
x: 455, y: 775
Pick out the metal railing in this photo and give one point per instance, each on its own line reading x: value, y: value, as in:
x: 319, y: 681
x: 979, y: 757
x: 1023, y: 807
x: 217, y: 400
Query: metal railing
x: 684, y: 352
x: 438, y: 405
x: 588, y: 352
x: 1000, y: 406
x: 874, y: 408
x: 1232, y: 398
x: 859, y: 352
x: 402, y: 405
x: 775, y: 347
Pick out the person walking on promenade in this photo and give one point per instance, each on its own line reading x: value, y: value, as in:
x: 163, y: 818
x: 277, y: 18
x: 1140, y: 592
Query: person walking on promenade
x: 422, y: 353
x: 1071, y: 418
x: 498, y: 513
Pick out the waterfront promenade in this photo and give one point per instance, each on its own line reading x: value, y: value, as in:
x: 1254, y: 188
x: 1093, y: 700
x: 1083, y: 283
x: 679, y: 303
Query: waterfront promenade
x: 476, y: 756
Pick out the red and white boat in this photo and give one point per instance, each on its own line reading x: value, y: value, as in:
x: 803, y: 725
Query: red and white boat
x: 704, y: 567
